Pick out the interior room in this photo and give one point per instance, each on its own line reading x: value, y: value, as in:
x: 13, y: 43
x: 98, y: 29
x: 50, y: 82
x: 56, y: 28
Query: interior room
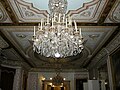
x: 59, y: 44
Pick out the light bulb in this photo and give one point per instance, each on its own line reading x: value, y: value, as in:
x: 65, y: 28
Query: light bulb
x: 57, y: 55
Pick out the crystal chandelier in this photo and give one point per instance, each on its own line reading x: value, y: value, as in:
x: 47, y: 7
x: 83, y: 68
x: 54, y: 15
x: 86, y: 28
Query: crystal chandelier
x: 56, y: 37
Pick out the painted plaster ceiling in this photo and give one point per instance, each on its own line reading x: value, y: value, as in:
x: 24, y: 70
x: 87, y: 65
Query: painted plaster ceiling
x: 98, y: 19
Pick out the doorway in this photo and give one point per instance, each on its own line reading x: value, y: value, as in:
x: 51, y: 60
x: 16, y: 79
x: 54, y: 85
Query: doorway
x: 47, y: 85
x: 79, y: 83
x: 7, y: 78
x: 58, y: 88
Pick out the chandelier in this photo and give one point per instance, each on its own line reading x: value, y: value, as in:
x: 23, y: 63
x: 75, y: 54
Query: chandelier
x: 57, y: 80
x: 55, y: 36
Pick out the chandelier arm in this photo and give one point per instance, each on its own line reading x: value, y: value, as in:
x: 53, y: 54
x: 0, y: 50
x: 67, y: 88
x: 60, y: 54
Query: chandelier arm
x: 57, y: 38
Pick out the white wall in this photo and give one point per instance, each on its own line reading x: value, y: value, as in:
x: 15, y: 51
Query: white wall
x: 93, y: 85
x: 85, y: 86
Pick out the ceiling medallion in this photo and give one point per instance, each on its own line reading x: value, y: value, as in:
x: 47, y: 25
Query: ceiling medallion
x: 55, y: 36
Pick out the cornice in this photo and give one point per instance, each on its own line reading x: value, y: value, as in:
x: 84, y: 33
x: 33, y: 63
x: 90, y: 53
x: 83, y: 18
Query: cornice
x: 53, y: 70
x: 12, y: 46
x: 9, y: 10
x: 106, y: 11
x: 100, y: 58
x: 13, y: 63
x: 114, y: 44
x: 78, y: 23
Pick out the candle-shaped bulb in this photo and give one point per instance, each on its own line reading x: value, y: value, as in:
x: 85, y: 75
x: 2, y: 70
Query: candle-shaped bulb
x: 59, y: 17
x: 41, y: 24
x: 80, y: 33
x: 66, y: 22
x: 63, y: 18
x: 52, y: 21
x: 38, y: 24
x: 75, y: 26
x: 70, y: 21
x: 34, y: 30
x: 54, y: 18
x: 47, y: 19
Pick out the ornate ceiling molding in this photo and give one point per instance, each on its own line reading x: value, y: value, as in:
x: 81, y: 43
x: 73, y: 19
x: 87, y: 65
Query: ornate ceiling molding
x: 3, y: 43
x: 79, y: 24
x: 111, y: 47
x: 114, y: 15
x: 106, y: 11
x: 9, y: 11
x: 11, y: 54
x: 90, y: 12
x: 25, y: 12
x: 13, y: 63
x: 115, y: 43
x: 4, y: 18
x: 107, y: 33
x: 15, y: 45
x: 97, y: 59
x: 21, y: 37
x: 101, y: 62
x: 64, y: 70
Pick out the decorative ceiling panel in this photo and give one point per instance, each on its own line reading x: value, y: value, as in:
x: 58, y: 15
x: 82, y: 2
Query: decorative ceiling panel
x: 114, y: 15
x: 3, y: 43
x: 20, y: 36
x: 4, y: 18
x: 94, y: 37
x: 25, y: 12
x: 23, y: 38
x: 11, y: 54
x: 72, y: 4
x: 89, y: 12
x: 80, y: 10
